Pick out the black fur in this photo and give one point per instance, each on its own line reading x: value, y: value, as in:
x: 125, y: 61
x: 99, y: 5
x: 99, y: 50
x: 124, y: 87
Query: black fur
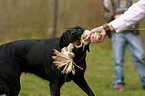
x: 35, y: 56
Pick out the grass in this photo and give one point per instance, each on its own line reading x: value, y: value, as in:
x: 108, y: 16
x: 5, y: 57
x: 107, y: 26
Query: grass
x: 99, y: 75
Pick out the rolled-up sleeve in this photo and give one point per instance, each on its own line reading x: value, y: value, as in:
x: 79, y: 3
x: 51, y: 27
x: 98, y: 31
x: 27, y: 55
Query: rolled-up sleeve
x: 132, y: 16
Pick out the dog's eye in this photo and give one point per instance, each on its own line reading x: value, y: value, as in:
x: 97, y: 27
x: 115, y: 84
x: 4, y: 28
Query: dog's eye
x: 67, y: 34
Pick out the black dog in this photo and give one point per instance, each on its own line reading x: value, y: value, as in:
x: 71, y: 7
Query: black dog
x: 35, y: 56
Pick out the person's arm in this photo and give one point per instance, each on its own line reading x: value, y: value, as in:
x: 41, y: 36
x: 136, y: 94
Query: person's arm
x: 132, y: 16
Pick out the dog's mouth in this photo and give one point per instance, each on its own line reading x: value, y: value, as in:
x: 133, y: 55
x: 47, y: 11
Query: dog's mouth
x: 78, y: 44
x: 77, y: 39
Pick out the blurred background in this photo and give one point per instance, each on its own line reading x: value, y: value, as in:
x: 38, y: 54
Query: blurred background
x: 41, y: 19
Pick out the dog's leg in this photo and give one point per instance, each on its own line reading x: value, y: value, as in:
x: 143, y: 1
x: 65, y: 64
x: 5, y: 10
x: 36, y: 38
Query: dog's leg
x: 55, y: 88
x: 13, y: 87
x: 13, y: 91
x: 10, y: 81
x: 1, y: 93
x: 81, y: 82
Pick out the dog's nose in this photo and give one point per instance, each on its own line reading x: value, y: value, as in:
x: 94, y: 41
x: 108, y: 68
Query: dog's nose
x: 74, y: 33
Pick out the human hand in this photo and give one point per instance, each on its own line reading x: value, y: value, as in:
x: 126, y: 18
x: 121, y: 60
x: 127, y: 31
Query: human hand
x: 104, y: 30
x: 94, y: 38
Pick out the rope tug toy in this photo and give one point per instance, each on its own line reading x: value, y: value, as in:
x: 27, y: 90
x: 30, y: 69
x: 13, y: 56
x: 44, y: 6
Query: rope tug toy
x: 65, y: 57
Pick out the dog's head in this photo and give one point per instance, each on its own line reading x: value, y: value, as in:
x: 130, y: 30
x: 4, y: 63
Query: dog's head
x: 71, y: 35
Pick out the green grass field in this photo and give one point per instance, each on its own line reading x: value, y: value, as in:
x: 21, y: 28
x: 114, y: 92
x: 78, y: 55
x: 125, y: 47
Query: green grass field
x: 99, y: 75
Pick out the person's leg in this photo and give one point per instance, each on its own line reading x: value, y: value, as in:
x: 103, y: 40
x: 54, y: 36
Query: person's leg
x: 137, y: 53
x: 118, y: 45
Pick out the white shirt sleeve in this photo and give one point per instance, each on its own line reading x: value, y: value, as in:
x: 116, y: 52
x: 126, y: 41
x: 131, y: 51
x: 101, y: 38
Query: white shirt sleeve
x: 133, y: 15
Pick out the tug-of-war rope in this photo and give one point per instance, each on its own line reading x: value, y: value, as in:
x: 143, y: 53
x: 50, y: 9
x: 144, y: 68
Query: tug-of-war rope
x: 64, y: 59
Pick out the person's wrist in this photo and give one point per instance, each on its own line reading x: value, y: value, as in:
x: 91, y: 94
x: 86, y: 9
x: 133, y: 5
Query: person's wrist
x: 111, y: 27
x: 108, y: 29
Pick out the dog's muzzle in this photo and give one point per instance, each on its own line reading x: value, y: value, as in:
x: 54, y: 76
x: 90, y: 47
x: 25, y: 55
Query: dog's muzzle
x: 75, y: 36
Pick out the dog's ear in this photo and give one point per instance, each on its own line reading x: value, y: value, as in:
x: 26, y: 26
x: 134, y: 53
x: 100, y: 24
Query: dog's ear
x: 63, y: 42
